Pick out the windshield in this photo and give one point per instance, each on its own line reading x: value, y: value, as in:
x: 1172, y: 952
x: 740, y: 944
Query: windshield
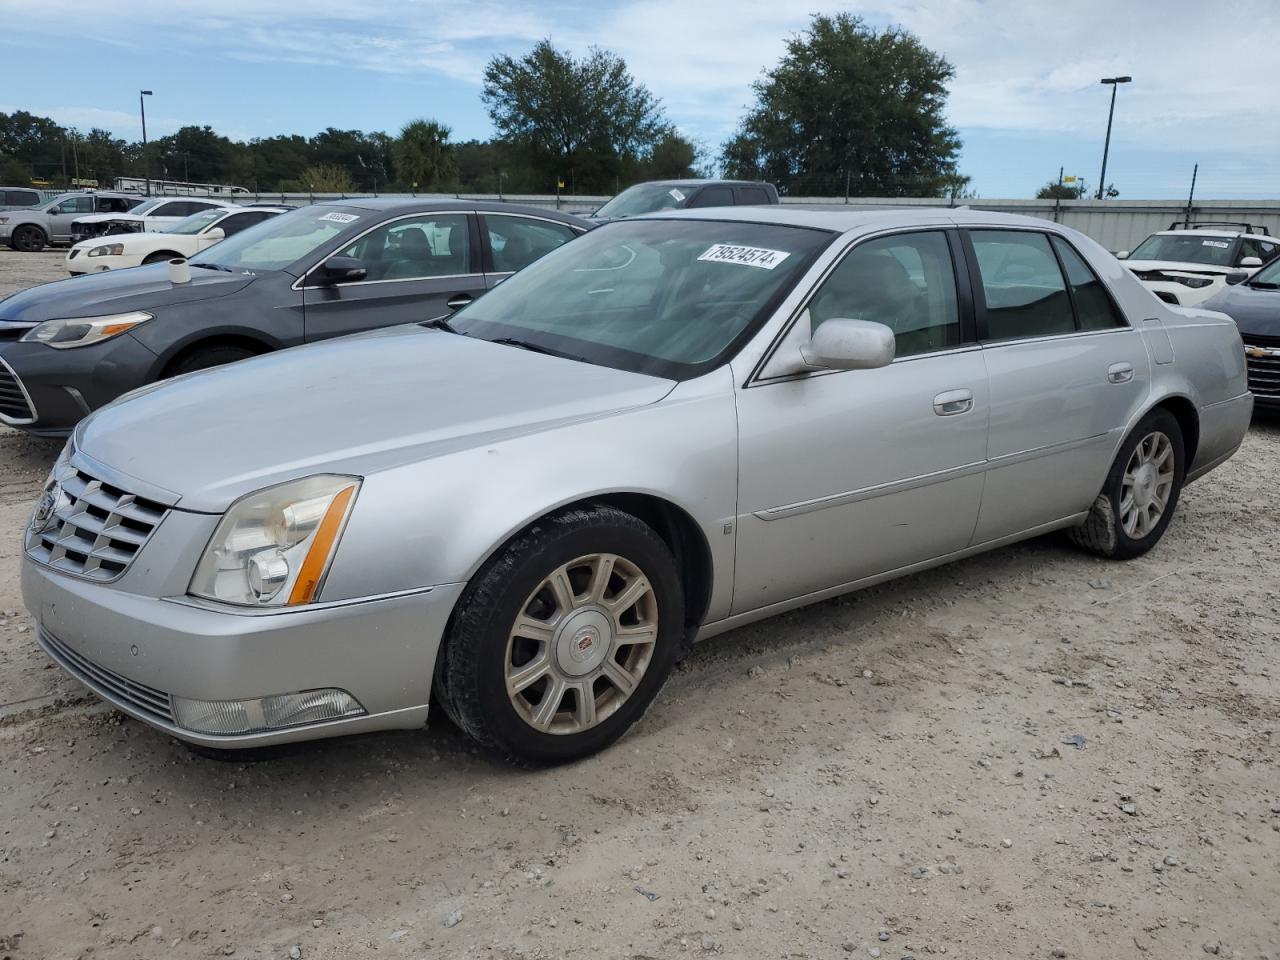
x: 645, y: 198
x: 1268, y: 276
x: 1185, y: 248
x: 196, y: 222
x: 278, y: 242
x: 664, y: 297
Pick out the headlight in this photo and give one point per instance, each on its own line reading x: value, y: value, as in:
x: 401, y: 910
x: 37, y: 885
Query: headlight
x: 1194, y: 282
x: 82, y: 331
x: 273, y: 547
x: 110, y: 250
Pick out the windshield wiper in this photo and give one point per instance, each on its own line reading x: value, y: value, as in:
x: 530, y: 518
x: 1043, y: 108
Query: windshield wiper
x: 537, y: 348
x: 1264, y: 285
x: 442, y: 323
x: 213, y: 266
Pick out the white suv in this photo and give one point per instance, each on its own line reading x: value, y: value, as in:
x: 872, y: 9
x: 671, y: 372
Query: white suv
x: 1188, y: 263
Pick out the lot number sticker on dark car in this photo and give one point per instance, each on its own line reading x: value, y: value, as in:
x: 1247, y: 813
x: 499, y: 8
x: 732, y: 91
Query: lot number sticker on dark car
x: 746, y: 256
x: 340, y: 217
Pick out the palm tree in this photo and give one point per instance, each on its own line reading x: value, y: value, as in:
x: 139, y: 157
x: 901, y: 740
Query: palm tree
x: 423, y: 155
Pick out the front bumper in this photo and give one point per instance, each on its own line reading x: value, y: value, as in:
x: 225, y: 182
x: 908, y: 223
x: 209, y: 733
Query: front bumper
x: 1179, y: 294
x: 64, y: 386
x: 136, y: 652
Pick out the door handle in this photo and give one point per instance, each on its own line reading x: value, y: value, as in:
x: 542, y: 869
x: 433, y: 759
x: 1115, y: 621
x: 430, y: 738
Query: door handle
x: 953, y: 402
x: 1120, y: 373
x: 458, y: 301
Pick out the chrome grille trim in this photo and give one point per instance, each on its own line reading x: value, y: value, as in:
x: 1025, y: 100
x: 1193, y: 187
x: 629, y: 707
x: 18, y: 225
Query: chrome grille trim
x: 94, y: 530
x: 107, y: 683
x: 16, y: 408
x: 1263, y: 372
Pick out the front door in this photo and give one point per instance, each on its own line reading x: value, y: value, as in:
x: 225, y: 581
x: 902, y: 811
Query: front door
x: 1067, y: 374
x: 845, y: 475
x: 61, y: 216
x: 418, y: 267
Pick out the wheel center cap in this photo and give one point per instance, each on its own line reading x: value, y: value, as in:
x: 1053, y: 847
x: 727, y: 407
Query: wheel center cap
x: 583, y: 641
x: 1144, y: 485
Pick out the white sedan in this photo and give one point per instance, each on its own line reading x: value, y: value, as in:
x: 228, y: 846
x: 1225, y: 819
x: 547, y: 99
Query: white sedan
x: 184, y: 239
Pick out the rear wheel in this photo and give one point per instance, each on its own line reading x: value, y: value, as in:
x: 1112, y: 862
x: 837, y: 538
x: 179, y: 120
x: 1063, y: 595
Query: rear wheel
x: 1137, y: 503
x: 28, y: 239
x: 202, y: 358
x: 563, y: 640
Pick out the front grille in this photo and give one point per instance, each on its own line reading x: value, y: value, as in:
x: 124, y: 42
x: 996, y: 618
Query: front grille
x: 15, y: 407
x: 1264, y: 372
x: 107, y: 683
x: 90, y: 528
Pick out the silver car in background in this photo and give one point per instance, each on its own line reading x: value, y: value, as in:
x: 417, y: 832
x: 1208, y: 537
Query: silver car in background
x: 669, y: 427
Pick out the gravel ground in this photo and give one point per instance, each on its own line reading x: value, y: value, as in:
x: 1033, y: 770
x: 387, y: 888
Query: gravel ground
x: 1029, y: 754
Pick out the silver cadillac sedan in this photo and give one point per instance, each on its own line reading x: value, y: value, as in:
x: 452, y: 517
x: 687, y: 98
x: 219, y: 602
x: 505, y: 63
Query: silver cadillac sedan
x: 667, y: 428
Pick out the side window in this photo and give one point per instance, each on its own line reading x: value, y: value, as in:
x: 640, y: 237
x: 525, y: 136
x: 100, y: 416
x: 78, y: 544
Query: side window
x: 433, y: 245
x: 713, y: 197
x: 174, y: 208
x: 111, y: 205
x: 22, y: 198
x: 752, y: 196
x: 905, y: 281
x: 1252, y: 247
x: 1022, y: 285
x: 238, y: 221
x: 76, y: 205
x: 1094, y: 309
x: 518, y: 241
x: 195, y: 206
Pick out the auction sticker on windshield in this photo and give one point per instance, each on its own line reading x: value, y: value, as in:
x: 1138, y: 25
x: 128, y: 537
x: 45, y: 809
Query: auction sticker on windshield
x: 746, y: 256
x: 340, y: 217
x: 1220, y: 244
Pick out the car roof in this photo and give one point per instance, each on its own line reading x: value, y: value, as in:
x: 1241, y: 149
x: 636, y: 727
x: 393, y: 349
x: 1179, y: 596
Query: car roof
x: 1215, y: 233
x: 426, y: 204
x: 838, y: 217
x: 698, y: 182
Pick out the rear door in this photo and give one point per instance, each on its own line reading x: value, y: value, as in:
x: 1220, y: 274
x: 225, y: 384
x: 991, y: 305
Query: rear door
x: 1067, y: 374
x: 512, y: 242
x: 419, y: 267
x: 715, y: 196
x: 752, y: 196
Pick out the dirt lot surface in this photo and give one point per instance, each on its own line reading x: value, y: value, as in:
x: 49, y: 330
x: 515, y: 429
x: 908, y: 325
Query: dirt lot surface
x: 1029, y: 754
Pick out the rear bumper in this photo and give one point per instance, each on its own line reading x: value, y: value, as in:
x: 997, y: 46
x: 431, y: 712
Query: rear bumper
x: 138, y: 652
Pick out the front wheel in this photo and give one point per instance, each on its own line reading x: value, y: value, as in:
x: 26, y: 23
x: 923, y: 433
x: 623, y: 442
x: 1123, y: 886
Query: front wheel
x: 564, y: 638
x: 1138, y: 500
x: 28, y: 239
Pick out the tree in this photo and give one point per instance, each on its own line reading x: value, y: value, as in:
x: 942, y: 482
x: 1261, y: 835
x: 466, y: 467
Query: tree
x: 327, y: 178
x: 1053, y: 190
x: 849, y: 104
x: 423, y: 155
x: 671, y: 158
x: 580, y: 119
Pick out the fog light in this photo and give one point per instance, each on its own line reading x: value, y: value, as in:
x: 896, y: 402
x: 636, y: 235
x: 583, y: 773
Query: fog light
x: 228, y: 717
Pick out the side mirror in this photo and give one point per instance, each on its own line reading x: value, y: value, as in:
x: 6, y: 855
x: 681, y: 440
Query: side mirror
x: 214, y: 234
x: 1250, y: 261
x: 340, y: 270
x: 841, y: 344
x: 1122, y: 255
x: 1234, y: 279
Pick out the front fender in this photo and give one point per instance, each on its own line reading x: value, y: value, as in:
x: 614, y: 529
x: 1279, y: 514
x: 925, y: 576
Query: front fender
x: 438, y: 521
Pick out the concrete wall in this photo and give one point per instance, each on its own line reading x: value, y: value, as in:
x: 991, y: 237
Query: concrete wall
x: 1116, y: 224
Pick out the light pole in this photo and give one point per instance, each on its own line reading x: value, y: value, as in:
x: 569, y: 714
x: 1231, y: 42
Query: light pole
x: 1106, y: 147
x: 142, y: 105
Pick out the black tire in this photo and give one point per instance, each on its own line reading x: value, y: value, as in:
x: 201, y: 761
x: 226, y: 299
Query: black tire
x: 202, y: 358
x: 28, y: 239
x: 160, y: 257
x: 1103, y: 533
x: 471, y: 674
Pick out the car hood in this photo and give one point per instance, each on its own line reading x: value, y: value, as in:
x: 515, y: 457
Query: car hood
x: 128, y: 240
x: 356, y: 406
x: 1254, y: 311
x: 1174, y: 266
x: 115, y: 291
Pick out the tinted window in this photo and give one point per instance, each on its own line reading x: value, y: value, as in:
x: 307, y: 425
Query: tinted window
x: 1022, y: 285
x: 112, y: 204
x: 906, y: 282
x: 174, y: 208
x: 1252, y: 247
x: 75, y: 205
x: 518, y: 241
x: 713, y: 197
x: 1094, y: 309
x: 753, y: 196
x: 26, y: 198
x: 238, y: 221
x: 434, y: 245
x: 195, y: 206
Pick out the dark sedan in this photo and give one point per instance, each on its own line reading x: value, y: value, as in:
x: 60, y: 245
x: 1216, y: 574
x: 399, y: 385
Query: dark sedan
x: 1254, y: 305
x: 323, y: 271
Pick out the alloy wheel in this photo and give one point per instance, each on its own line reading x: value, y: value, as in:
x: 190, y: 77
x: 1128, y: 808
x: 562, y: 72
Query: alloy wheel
x: 581, y: 643
x: 1146, y: 485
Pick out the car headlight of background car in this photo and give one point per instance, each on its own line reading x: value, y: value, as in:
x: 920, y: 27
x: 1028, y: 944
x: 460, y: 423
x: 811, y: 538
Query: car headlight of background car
x: 82, y: 331
x: 1194, y: 283
x: 107, y: 250
x: 273, y: 547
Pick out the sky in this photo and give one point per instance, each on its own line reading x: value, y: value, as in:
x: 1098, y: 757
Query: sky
x: 1025, y: 99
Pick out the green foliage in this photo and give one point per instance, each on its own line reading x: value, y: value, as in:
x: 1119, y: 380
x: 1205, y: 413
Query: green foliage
x: 13, y: 172
x: 327, y: 178
x: 424, y: 158
x: 850, y: 104
x: 585, y: 120
x: 1053, y: 190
